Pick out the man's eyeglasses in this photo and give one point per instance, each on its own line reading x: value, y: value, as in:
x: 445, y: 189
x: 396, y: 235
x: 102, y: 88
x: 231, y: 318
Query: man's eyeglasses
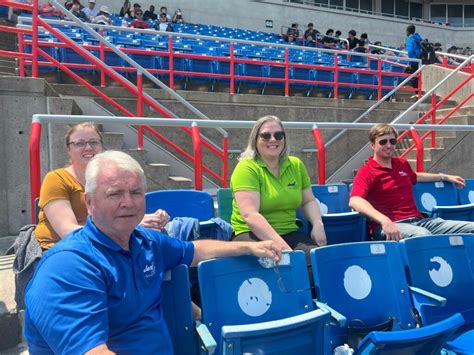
x: 266, y: 136
x: 393, y: 141
x: 93, y: 143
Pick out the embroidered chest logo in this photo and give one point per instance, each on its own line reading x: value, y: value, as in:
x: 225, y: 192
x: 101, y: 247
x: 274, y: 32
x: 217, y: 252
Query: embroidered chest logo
x: 149, y: 270
x: 292, y: 185
x: 402, y: 173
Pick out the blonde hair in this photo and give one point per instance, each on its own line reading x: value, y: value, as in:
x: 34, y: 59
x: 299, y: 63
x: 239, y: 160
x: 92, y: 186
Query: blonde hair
x: 251, y: 151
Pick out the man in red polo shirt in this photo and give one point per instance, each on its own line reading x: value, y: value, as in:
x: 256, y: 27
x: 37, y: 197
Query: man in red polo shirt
x: 382, y: 191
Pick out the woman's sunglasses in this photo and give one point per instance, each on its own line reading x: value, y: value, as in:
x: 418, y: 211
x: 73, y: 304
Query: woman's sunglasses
x: 393, y: 141
x: 266, y: 136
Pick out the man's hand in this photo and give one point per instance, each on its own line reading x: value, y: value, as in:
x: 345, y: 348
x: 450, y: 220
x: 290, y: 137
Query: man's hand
x: 265, y: 249
x: 318, y: 236
x: 391, y: 230
x: 155, y: 220
x: 456, y: 180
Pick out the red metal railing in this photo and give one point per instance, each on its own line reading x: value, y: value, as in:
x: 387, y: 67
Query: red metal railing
x: 286, y: 64
x: 432, y: 115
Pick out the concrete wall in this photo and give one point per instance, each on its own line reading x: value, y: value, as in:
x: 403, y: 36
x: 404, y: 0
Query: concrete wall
x: 433, y: 75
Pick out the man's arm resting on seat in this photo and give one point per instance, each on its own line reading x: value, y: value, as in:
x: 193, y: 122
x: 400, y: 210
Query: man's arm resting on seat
x: 429, y: 177
x: 208, y: 249
x: 100, y: 350
x: 364, y: 207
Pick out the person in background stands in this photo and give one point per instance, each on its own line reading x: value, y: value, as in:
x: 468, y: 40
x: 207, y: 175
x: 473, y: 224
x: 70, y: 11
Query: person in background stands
x: 136, y: 7
x: 76, y: 11
x: 163, y: 25
x: 98, y: 291
x: 268, y: 187
x: 139, y: 22
x: 150, y: 14
x: 164, y: 10
x: 413, y: 48
x: 328, y: 40
x: 382, y: 191
x: 126, y: 10
x: 311, y: 35
x: 91, y: 12
x: 178, y: 17
x: 292, y: 33
x: 47, y: 9
x: 103, y: 18
x: 353, y: 40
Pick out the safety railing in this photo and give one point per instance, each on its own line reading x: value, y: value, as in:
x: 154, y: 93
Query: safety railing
x: 196, y: 125
x: 432, y: 112
x: 137, y: 90
x: 233, y: 60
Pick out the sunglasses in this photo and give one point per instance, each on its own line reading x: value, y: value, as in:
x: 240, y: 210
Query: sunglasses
x: 82, y: 144
x: 393, y: 141
x: 266, y: 136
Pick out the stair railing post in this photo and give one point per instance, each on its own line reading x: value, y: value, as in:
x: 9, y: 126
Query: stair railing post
x: 433, y: 119
x: 231, y: 69
x: 34, y: 38
x: 420, y: 153
x: 197, y: 148
x: 336, y: 76
x: 35, y: 166
x: 225, y: 160
x: 321, y: 155
x: 287, y: 67
x: 140, y: 108
x: 379, y: 78
x: 171, y: 61
x: 102, y: 58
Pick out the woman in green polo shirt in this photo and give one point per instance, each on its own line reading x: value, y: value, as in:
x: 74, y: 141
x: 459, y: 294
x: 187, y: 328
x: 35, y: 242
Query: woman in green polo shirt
x: 268, y: 186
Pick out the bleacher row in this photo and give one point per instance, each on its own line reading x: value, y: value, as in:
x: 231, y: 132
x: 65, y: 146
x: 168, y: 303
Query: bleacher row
x: 209, y: 62
x: 420, y: 289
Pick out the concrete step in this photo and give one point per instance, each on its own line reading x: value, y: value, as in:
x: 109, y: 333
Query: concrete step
x: 139, y: 155
x: 7, y: 69
x: 113, y: 140
x: 427, y: 153
x: 157, y: 172
x: 180, y: 182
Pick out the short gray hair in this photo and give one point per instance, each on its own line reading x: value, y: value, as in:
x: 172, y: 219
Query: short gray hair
x: 109, y: 158
x: 251, y: 151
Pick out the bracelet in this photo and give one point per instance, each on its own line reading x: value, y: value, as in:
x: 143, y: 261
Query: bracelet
x: 442, y: 177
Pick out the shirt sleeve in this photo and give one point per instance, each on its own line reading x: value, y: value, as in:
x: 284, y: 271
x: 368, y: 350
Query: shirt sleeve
x: 305, y: 180
x: 53, y: 188
x: 245, y: 177
x: 68, y: 309
x: 174, y: 251
x: 362, y: 184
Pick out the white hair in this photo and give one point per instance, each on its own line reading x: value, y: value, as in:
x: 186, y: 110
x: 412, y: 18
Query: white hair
x: 107, y: 159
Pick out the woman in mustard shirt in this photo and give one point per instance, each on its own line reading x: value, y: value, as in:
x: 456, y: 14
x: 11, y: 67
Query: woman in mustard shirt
x: 268, y: 186
x: 62, y: 205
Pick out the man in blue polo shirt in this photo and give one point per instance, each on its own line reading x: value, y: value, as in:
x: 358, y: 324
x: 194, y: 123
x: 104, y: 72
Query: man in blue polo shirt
x: 98, y: 290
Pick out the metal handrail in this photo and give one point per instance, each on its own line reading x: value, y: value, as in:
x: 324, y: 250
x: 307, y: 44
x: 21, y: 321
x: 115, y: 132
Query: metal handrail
x: 433, y: 89
x: 39, y: 119
x: 377, y: 104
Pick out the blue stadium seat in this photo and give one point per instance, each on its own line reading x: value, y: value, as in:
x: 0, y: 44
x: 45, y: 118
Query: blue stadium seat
x: 443, y: 265
x: 176, y: 308
x: 326, y: 76
x: 341, y: 224
x: 439, y: 199
x: 366, y: 284
x: 368, y: 79
x: 181, y: 203
x: 261, y: 308
x: 302, y: 74
x: 347, y: 78
x: 466, y: 195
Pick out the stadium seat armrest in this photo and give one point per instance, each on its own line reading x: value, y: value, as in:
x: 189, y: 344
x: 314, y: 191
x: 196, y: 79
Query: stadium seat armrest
x: 427, y: 298
x: 207, y: 341
x: 335, y: 315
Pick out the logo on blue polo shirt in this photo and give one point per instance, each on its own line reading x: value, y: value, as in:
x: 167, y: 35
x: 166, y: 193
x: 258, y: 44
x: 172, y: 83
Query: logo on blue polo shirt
x: 149, y: 270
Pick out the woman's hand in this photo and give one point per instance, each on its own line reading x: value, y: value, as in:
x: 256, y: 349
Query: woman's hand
x: 318, y: 235
x: 156, y: 221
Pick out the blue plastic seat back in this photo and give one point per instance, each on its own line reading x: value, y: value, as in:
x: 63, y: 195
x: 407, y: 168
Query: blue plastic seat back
x: 239, y: 290
x: 176, y: 308
x: 430, y: 194
x: 332, y: 198
x: 443, y: 265
x: 224, y: 203
x: 347, y: 227
x: 466, y: 195
x: 181, y: 203
x: 363, y: 281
